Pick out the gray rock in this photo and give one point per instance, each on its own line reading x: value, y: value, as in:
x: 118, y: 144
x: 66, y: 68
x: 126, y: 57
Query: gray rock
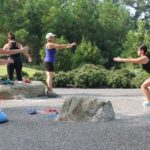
x: 84, y: 109
x: 22, y: 90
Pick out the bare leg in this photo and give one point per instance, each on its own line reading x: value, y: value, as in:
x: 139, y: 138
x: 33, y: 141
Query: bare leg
x: 145, y: 89
x: 49, y: 80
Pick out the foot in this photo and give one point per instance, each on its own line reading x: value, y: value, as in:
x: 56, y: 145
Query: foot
x: 51, y: 94
x: 146, y: 103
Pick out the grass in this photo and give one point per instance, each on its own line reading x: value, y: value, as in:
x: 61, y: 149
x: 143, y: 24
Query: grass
x: 28, y: 69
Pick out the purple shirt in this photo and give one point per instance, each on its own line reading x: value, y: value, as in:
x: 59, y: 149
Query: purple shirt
x: 50, y: 55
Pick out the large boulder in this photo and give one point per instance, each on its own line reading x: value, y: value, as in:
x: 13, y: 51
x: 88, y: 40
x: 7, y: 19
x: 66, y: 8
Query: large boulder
x: 84, y: 109
x: 21, y: 90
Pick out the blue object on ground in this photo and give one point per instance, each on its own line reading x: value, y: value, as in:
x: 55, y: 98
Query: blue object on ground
x: 32, y: 111
x: 3, y: 117
x: 53, y: 116
x: 146, y: 103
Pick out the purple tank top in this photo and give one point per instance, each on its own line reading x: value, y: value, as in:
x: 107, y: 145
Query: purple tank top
x: 50, y: 55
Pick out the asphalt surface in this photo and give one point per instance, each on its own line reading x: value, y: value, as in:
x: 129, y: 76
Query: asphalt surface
x: 129, y: 131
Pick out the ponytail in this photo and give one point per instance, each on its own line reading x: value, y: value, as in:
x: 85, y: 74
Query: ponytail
x: 11, y: 36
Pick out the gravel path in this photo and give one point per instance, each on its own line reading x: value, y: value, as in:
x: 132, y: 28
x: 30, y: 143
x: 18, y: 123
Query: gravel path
x: 130, y: 130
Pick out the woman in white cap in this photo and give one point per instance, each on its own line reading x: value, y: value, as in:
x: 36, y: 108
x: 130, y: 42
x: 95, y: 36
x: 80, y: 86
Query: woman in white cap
x: 51, y: 48
x: 144, y: 60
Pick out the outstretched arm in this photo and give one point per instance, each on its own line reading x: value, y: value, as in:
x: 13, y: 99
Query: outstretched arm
x: 60, y: 46
x: 26, y: 53
x: 6, y: 61
x: 140, y: 60
x: 15, y: 51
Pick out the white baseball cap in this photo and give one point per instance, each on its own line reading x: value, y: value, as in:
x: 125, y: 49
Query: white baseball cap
x: 49, y: 35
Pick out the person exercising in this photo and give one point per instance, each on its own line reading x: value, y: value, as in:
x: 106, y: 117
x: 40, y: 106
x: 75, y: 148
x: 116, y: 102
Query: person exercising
x: 144, y: 60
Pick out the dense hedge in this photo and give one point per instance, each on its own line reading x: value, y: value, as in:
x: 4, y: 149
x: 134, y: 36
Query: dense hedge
x: 120, y: 78
x: 91, y: 76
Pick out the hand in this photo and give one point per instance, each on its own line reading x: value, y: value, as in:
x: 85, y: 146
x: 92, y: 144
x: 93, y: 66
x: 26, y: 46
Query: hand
x: 29, y: 59
x: 25, y: 49
x: 10, y: 61
x: 117, y: 59
x: 73, y: 44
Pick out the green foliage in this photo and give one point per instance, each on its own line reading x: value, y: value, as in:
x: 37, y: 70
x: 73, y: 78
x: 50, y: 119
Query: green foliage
x: 135, y: 38
x: 22, y: 35
x: 140, y: 77
x: 120, y: 78
x: 4, y: 77
x: 86, y: 53
x: 90, y: 76
x: 63, y: 57
x: 114, y: 27
x: 104, y: 23
x: 24, y: 73
x: 86, y: 76
x: 39, y: 77
x: 63, y: 79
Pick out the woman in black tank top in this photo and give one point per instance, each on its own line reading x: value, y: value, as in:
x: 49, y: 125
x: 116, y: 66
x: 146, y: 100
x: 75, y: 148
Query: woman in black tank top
x: 17, y: 65
x: 144, y: 60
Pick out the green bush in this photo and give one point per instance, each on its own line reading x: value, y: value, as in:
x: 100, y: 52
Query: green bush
x: 90, y: 76
x: 24, y: 73
x: 120, y: 78
x: 86, y: 76
x: 38, y: 76
x: 4, y: 77
x: 63, y: 79
x: 87, y: 53
x: 140, y: 77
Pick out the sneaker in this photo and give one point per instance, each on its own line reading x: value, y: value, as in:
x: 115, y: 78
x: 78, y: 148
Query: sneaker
x: 146, y: 103
x: 7, y: 82
x: 51, y: 94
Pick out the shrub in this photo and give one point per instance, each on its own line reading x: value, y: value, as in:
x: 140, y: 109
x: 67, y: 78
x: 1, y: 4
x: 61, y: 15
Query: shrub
x: 90, y: 76
x: 63, y: 79
x: 120, y: 78
x: 87, y: 52
x: 140, y: 77
x: 25, y: 74
x: 38, y: 76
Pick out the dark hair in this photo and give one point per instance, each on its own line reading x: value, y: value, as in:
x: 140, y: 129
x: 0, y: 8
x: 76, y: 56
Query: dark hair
x: 144, y: 49
x: 11, y: 36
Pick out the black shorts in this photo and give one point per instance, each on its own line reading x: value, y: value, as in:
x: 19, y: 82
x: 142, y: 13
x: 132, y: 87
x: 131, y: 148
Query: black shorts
x: 49, y: 66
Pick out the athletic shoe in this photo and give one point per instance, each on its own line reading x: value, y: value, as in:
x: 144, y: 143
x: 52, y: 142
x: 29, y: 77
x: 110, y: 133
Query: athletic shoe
x: 51, y: 94
x: 7, y: 82
x: 146, y: 103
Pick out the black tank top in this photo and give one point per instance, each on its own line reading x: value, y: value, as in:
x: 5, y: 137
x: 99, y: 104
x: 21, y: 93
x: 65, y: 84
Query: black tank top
x: 146, y: 67
x: 13, y: 45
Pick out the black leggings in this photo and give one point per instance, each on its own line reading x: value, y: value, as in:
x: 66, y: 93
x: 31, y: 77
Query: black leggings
x: 17, y: 66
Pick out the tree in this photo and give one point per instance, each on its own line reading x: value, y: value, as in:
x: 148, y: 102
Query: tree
x: 87, y: 53
x: 135, y: 38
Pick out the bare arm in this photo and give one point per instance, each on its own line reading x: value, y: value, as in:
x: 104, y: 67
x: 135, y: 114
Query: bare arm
x: 59, y: 46
x: 25, y: 53
x: 6, y: 61
x: 6, y: 50
x: 140, y: 60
